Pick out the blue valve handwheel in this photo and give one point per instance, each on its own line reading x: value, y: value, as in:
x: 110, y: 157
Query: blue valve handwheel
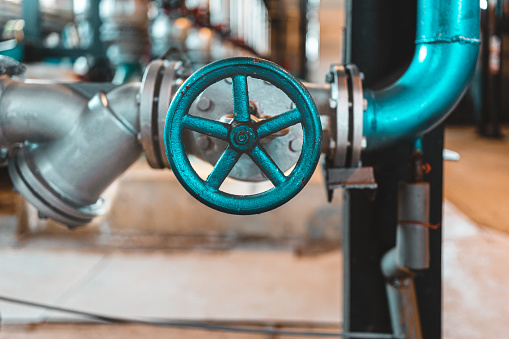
x: 243, y: 135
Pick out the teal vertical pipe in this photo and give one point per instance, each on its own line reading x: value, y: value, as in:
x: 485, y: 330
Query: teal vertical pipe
x: 447, y: 46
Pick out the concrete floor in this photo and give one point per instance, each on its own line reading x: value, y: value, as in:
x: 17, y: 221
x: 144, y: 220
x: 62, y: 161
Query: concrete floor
x: 478, y: 184
x: 150, y: 210
x: 238, y: 285
x: 232, y: 285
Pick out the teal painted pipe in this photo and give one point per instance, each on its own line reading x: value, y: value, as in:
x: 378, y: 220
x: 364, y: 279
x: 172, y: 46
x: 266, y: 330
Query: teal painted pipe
x: 447, y: 46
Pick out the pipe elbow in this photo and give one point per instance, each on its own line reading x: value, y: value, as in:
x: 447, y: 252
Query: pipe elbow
x: 447, y: 46
x: 31, y: 112
x: 423, y: 97
x: 64, y: 178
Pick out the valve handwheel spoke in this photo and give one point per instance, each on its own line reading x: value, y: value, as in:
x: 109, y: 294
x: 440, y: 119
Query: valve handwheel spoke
x: 205, y: 126
x: 267, y: 165
x: 278, y: 122
x: 243, y: 136
x: 240, y: 99
x: 222, y: 168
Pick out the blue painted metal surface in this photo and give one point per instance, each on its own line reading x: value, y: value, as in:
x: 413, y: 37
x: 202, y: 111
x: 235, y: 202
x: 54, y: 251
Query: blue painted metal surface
x: 447, y: 45
x: 243, y: 136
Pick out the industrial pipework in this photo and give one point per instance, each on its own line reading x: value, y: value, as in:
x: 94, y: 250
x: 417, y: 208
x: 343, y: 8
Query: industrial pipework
x: 447, y: 46
x: 67, y: 143
x: 77, y: 138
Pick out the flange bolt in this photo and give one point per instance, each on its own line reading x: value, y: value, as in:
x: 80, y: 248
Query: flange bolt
x: 204, y: 103
x: 329, y: 78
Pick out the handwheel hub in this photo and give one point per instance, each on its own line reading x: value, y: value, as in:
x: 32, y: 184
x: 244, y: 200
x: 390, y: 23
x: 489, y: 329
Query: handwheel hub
x: 242, y: 138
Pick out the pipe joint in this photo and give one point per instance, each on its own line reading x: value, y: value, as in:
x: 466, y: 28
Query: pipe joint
x: 63, y: 170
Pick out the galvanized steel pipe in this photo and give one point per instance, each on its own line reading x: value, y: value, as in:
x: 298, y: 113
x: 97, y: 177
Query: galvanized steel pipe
x: 447, y: 45
x: 74, y: 146
x: 31, y: 112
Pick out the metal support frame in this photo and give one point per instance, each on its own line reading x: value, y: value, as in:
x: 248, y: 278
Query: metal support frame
x: 369, y: 232
x: 370, y: 223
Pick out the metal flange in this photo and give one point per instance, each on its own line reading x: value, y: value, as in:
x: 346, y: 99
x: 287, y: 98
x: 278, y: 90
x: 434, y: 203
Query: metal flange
x: 342, y: 163
x: 47, y: 198
x: 346, y: 121
x: 160, y: 83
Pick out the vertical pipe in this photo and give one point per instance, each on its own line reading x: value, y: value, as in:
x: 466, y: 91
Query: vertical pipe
x: 412, y: 234
x: 402, y: 300
x: 411, y: 252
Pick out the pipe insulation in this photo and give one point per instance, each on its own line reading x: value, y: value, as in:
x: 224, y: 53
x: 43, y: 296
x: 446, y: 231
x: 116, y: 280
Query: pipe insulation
x: 447, y: 46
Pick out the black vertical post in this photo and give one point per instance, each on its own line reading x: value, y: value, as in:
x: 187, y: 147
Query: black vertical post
x: 278, y: 23
x: 497, y: 77
x: 491, y: 88
x: 483, y: 115
x: 303, y: 28
x: 429, y: 283
x: 380, y: 41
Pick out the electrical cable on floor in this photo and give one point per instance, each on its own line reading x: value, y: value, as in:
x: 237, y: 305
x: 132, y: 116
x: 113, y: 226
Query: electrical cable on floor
x: 200, y: 325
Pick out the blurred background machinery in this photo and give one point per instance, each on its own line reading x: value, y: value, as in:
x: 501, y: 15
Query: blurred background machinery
x: 133, y: 32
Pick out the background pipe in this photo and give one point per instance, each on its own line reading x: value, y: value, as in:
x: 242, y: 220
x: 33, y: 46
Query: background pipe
x: 447, y: 44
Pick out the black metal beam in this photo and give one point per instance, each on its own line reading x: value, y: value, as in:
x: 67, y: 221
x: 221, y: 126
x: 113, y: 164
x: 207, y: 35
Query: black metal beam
x: 303, y: 28
x: 380, y: 41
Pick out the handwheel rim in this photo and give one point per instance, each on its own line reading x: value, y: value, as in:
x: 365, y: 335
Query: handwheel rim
x: 215, y: 198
